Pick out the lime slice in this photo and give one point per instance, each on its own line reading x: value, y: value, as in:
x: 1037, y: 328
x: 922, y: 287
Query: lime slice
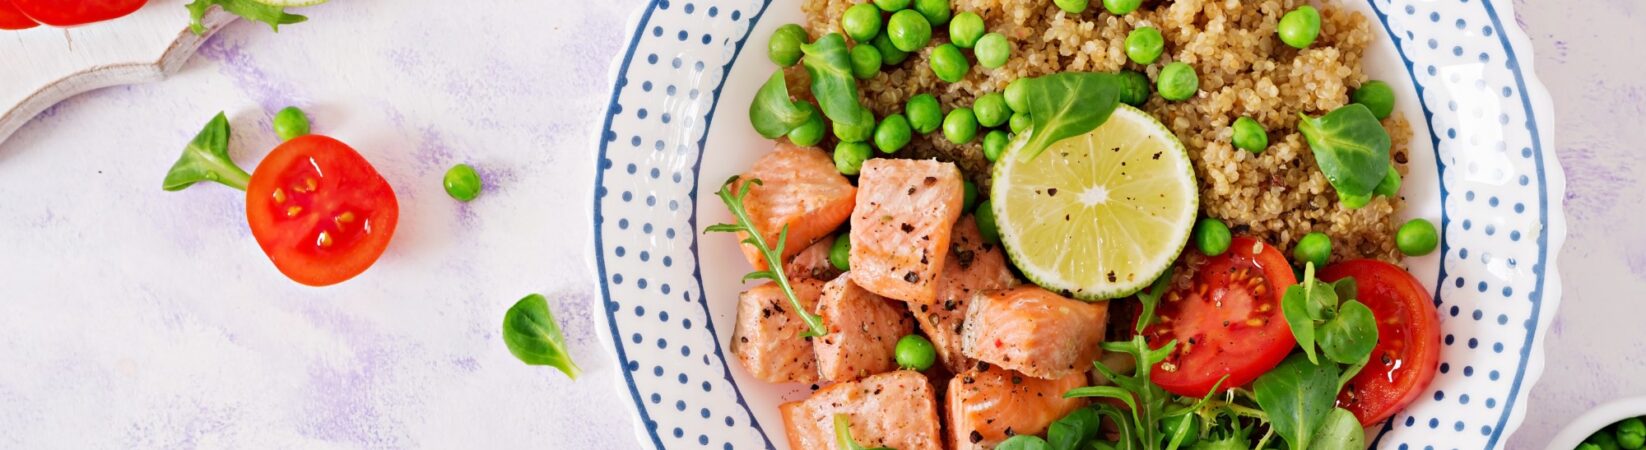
x: 291, y: 3
x: 1099, y: 215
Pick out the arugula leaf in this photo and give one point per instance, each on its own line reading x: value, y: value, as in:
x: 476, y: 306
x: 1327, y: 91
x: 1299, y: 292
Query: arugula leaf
x: 843, y: 435
x: 1151, y: 298
x: 1350, y: 146
x: 1349, y: 337
x: 1023, y: 442
x: 1064, y: 105
x: 532, y: 335
x: 774, y: 259
x: 830, y: 67
x: 773, y: 113
x: 1297, y: 395
x: 275, y: 16
x: 1339, y: 430
x: 206, y: 158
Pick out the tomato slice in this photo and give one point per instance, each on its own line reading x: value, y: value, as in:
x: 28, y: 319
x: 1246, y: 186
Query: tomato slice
x: 319, y: 210
x: 1408, y: 344
x: 66, y: 13
x: 1227, y: 321
x: 13, y: 19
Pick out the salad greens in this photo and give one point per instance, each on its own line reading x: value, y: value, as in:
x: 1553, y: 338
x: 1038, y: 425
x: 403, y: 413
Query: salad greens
x: 1327, y: 315
x: 830, y: 67
x: 1023, y: 442
x: 1067, y: 104
x: 773, y: 113
x: 1351, y: 147
x: 532, y: 335
x: 206, y: 158
x: 843, y: 435
x: 773, y: 256
x: 252, y: 10
x: 1297, y: 395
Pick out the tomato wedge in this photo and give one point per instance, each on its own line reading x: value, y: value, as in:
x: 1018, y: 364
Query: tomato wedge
x: 13, y: 19
x: 319, y: 210
x: 1227, y: 321
x: 1408, y: 344
x: 67, y: 13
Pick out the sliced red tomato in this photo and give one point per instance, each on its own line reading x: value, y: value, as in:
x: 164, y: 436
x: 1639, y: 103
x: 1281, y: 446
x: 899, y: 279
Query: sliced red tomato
x: 1227, y: 322
x: 1408, y: 339
x: 66, y: 13
x: 13, y: 19
x: 319, y: 210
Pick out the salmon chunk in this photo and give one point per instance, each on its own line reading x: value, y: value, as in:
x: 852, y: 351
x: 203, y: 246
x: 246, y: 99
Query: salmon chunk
x: 767, y: 337
x: 896, y: 410
x: 972, y: 267
x: 900, y: 229
x: 863, y: 331
x: 799, y: 188
x: 988, y: 404
x: 813, y: 262
x: 1034, y: 331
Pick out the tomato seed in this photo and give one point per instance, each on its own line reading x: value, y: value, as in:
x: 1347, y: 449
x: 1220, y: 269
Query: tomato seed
x: 279, y: 195
x: 293, y: 211
x: 324, y: 240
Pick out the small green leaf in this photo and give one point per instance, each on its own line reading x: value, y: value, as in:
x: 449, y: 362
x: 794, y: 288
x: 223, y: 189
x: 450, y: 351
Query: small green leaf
x: 1023, y: 442
x: 773, y: 258
x: 1390, y: 186
x: 723, y: 228
x: 1070, y: 431
x: 1151, y: 298
x: 1346, y: 289
x: 1350, y: 146
x: 1339, y: 430
x: 1294, y: 305
x: 773, y: 113
x: 830, y: 67
x: 251, y: 10
x: 1064, y: 105
x: 206, y: 158
x: 1349, y: 337
x: 533, y: 336
x: 760, y: 275
x: 1297, y: 395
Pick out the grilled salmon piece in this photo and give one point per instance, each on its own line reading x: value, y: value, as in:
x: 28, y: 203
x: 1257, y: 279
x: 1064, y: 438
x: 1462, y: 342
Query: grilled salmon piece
x: 813, y: 262
x: 900, y: 229
x: 1034, y: 331
x: 988, y: 404
x: 863, y: 331
x: 973, y: 267
x: 800, y: 188
x: 895, y: 409
x: 767, y: 337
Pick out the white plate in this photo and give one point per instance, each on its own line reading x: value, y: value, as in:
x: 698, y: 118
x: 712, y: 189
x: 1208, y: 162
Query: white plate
x: 1463, y: 77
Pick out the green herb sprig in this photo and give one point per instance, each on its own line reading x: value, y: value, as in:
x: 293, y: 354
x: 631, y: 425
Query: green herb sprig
x: 533, y: 336
x: 1300, y: 394
x: 206, y: 158
x: 773, y: 256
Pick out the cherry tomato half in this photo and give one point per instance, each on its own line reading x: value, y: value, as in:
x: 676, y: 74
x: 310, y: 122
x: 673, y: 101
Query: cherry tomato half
x: 13, y: 19
x: 1408, y: 339
x: 319, y: 210
x: 66, y: 13
x: 1227, y: 322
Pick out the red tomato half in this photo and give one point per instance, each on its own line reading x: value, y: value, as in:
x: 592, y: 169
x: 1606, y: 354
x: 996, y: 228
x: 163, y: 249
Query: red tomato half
x: 1227, y: 322
x: 319, y: 210
x: 66, y: 13
x: 13, y: 19
x: 1408, y: 339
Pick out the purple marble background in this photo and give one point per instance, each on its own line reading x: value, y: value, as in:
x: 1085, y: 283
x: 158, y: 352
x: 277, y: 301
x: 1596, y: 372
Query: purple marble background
x: 134, y: 318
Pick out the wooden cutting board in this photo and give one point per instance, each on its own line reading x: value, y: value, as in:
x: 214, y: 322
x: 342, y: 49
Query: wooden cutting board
x: 43, y: 65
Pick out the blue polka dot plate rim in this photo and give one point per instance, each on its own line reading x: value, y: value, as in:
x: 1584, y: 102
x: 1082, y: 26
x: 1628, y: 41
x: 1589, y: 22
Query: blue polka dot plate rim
x: 1483, y: 169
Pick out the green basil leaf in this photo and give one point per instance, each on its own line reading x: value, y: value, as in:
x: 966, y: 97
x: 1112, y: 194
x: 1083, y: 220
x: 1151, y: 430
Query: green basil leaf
x: 773, y: 113
x: 532, y: 335
x: 1023, y: 442
x: 1294, y: 306
x: 206, y: 158
x: 830, y: 67
x: 1297, y: 395
x: 1351, y: 147
x: 1065, y: 105
x: 1339, y: 431
x: 1349, y: 337
x: 1070, y: 431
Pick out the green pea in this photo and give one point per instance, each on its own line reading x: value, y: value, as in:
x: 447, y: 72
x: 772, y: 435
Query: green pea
x: 865, y: 61
x: 892, y: 133
x: 949, y: 64
x: 1631, y: 434
x: 784, y: 47
x: 1250, y: 135
x: 1313, y: 248
x: 1588, y: 446
x: 969, y: 200
x: 840, y: 252
x: 937, y: 12
x: 856, y: 133
x: 985, y: 223
x: 1017, y: 97
x: 1189, y: 429
x: 965, y: 29
x: 849, y: 157
x: 991, y: 110
x: 290, y: 123
x: 915, y: 352
x: 1020, y: 122
x: 1300, y: 27
x: 861, y: 22
x: 1072, y: 6
x: 1144, y: 45
x: 1417, y: 237
x: 1377, y: 96
x: 1135, y: 88
x: 810, y: 133
x: 1390, y: 186
x: 994, y: 144
x: 992, y: 50
x: 463, y: 183
x: 909, y: 30
x: 960, y: 126
x: 925, y: 114
x: 889, y: 54
x: 1353, y: 201
x: 1212, y: 236
x: 1604, y: 440
x: 892, y: 5
x: 1121, y: 7
x: 1177, y: 81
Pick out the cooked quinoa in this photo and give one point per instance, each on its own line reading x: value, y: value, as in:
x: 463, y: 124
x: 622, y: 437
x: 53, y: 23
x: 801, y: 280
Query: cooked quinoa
x: 1244, y: 70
